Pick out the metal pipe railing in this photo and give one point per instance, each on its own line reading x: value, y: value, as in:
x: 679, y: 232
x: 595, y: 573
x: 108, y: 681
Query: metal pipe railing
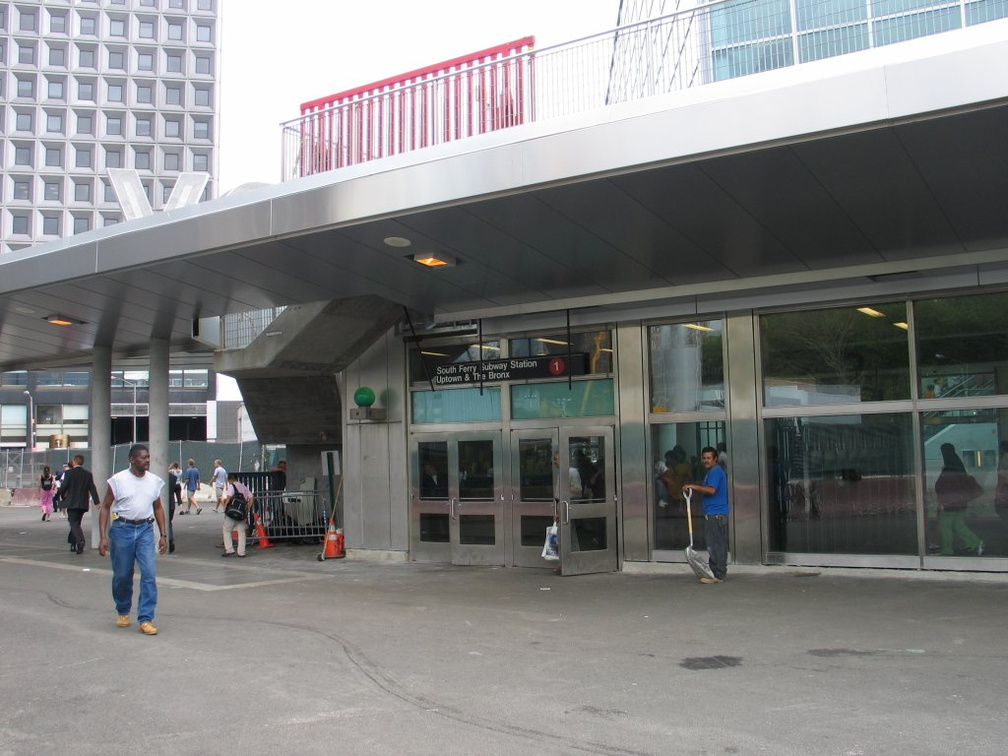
x: 691, y: 47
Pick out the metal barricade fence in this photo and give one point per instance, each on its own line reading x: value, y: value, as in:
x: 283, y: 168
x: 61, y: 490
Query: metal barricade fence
x: 294, y: 516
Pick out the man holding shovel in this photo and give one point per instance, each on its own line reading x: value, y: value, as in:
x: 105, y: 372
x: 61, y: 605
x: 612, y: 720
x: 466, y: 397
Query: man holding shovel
x: 715, y: 506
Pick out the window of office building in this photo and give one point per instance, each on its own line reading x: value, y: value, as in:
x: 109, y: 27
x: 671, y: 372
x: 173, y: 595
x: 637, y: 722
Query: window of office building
x: 20, y: 223
x: 82, y: 190
x: 56, y: 89
x: 173, y: 62
x: 57, y: 56
x: 173, y: 94
x: 172, y: 127
x: 117, y: 60
x: 204, y: 32
x: 85, y: 156
x: 175, y: 29
x: 172, y: 161
x: 85, y: 124
x: 24, y: 121
x: 145, y: 95
x: 204, y: 64
x: 142, y: 159
x: 81, y: 223
x: 86, y: 57
x: 205, y: 5
x: 53, y: 156
x: 27, y: 19
x: 146, y: 28
x: 21, y: 189
x: 117, y: 27
x: 26, y: 86
x: 113, y: 124
x: 54, y: 123
x: 108, y: 192
x: 52, y: 190
x: 202, y: 96
x: 687, y: 366
x: 85, y: 90
x: 836, y: 356
x: 115, y: 92
x: 201, y: 128
x: 57, y: 21
x: 50, y: 224
x: 145, y: 61
x: 88, y: 25
x: 113, y: 159
x: 26, y: 53
x: 23, y: 155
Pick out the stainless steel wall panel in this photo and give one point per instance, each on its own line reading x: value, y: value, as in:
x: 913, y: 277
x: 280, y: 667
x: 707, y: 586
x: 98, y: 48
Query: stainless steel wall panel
x: 745, y: 475
x: 633, y: 469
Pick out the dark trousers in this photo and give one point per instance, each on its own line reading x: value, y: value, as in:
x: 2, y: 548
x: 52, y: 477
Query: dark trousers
x: 76, y: 535
x: 716, y: 532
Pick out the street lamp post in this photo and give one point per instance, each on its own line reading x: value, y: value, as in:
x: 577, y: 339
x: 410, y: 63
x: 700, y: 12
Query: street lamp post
x: 30, y: 430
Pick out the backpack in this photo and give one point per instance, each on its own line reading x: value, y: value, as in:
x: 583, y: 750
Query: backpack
x: 47, y: 484
x: 237, y: 506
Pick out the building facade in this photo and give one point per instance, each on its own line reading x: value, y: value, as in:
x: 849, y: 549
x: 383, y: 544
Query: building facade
x: 87, y: 86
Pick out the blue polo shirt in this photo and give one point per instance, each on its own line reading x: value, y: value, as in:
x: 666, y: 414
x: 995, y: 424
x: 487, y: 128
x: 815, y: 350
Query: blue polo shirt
x: 717, y: 502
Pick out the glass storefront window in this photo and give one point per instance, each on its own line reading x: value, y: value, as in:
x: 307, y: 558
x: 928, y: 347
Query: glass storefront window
x: 687, y: 366
x: 433, y: 460
x: 842, y: 484
x: 591, y: 352
x: 966, y: 481
x: 962, y: 346
x: 837, y: 356
x: 463, y: 405
x: 676, y: 449
x: 557, y: 399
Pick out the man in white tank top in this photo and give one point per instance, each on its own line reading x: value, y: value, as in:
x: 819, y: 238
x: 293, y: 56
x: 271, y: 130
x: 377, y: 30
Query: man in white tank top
x: 133, y: 503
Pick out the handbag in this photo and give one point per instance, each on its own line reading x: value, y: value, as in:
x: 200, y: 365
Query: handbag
x: 550, y: 551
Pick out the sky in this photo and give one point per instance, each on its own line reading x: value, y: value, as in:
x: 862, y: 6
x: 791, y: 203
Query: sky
x: 276, y: 55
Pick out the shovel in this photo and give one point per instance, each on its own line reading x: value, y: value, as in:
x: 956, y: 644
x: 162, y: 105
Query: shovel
x: 699, y: 565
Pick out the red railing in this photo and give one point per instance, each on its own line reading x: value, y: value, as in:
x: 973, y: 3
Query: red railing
x: 462, y: 97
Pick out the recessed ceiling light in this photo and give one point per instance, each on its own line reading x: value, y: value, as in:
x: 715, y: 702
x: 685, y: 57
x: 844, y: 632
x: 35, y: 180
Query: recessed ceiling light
x: 396, y: 241
x: 24, y: 310
x: 63, y: 320
x: 433, y: 260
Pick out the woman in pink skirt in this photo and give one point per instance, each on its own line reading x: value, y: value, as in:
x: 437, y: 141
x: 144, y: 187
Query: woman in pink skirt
x: 47, y: 485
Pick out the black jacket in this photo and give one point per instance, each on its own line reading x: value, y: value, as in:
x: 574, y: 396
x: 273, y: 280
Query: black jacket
x: 78, y: 484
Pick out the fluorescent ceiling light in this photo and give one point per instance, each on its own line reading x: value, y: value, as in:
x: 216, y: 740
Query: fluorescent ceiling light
x: 698, y: 327
x: 434, y: 354
x: 904, y: 326
x: 485, y: 346
x: 869, y: 311
x: 552, y: 341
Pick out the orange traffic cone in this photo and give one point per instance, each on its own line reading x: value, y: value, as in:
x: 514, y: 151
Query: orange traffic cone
x: 264, y: 542
x: 333, y: 543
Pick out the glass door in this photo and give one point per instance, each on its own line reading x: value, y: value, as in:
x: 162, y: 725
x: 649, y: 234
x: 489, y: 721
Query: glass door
x: 457, y: 499
x: 587, y: 501
x: 534, y: 494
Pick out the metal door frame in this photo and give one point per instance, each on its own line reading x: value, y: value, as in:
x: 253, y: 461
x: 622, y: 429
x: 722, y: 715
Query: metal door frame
x: 530, y: 555
x: 582, y: 562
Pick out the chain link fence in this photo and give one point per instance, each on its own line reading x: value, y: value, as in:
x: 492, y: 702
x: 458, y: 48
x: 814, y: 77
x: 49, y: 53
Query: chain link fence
x: 21, y: 468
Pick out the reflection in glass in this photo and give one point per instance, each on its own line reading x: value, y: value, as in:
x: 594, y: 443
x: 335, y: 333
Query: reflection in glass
x: 424, y: 362
x: 434, y: 527
x: 588, y: 534
x: 594, y: 349
x: 476, y: 470
x: 958, y: 518
x: 837, y: 356
x: 676, y: 448
x: 558, y: 399
x: 842, y: 484
x: 687, y: 366
x: 962, y: 346
x: 587, y: 469
x: 533, y: 529
x: 536, y: 471
x: 433, y: 472
x: 463, y: 405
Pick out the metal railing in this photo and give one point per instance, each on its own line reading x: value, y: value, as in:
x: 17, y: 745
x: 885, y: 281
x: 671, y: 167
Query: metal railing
x: 691, y: 47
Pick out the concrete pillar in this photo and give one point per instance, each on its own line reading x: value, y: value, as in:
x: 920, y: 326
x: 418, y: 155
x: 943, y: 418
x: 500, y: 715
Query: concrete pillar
x: 158, y: 414
x: 100, y: 424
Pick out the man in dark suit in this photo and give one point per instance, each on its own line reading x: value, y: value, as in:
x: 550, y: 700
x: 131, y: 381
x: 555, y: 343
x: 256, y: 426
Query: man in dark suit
x: 77, y: 488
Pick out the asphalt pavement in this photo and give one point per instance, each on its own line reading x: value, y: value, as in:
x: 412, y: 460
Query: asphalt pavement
x: 280, y: 653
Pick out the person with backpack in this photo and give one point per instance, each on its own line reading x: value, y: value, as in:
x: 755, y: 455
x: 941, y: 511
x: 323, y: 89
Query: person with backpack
x: 236, y: 501
x: 47, y: 485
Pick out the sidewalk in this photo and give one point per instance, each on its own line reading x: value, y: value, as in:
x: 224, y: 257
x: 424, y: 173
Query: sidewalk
x: 349, y: 656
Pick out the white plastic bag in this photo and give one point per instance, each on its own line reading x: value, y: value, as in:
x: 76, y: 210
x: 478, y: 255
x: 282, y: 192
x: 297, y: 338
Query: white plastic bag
x: 550, y: 552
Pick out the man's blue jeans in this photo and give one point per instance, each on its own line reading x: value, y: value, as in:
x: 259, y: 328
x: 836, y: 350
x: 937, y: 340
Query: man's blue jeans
x: 716, y: 533
x: 131, y: 545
